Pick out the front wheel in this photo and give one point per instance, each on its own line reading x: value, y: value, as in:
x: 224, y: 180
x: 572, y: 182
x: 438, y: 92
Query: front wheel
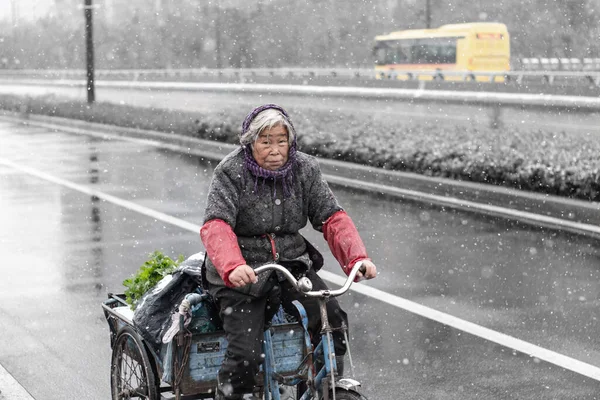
x: 343, y: 394
x: 131, y: 375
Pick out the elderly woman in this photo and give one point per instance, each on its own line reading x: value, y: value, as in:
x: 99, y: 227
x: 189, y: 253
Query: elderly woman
x: 261, y: 195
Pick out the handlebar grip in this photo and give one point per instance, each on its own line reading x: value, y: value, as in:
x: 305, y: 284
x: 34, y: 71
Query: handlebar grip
x: 195, y: 298
x: 363, y: 269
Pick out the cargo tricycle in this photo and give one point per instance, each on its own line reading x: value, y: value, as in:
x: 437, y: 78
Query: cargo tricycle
x: 292, y: 370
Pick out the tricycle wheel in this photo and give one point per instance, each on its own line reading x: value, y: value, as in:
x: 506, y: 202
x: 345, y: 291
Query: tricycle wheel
x: 131, y: 375
x: 343, y: 394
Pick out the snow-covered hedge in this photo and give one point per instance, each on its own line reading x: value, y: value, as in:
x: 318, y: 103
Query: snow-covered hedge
x: 529, y: 159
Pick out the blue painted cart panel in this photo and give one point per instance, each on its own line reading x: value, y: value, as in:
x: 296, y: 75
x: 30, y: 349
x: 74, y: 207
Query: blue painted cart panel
x: 208, y: 350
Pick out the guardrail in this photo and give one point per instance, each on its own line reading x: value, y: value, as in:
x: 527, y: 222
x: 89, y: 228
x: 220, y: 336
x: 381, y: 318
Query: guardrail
x: 559, y: 64
x: 136, y: 74
x: 488, y: 98
x: 549, y: 77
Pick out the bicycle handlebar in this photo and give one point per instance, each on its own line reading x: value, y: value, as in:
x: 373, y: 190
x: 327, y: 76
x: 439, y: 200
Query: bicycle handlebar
x: 304, y: 284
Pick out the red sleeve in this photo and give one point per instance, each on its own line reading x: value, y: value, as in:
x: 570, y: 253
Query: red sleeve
x: 344, y: 242
x: 222, y: 247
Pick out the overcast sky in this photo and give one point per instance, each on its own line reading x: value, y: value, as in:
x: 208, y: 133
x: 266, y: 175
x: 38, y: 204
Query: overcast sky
x: 26, y: 9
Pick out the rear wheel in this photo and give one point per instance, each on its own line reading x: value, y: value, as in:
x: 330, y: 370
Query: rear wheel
x: 131, y: 375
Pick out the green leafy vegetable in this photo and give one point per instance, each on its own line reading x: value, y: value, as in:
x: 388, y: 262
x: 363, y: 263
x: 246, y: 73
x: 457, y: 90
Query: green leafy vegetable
x: 150, y: 273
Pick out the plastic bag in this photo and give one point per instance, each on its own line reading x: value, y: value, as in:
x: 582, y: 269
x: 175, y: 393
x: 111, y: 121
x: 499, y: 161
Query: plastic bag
x: 153, y: 315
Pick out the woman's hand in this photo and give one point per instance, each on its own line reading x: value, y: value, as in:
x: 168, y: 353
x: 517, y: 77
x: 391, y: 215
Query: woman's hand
x: 242, y: 275
x: 370, y: 271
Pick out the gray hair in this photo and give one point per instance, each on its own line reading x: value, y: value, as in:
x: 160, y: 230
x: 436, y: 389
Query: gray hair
x: 267, y: 119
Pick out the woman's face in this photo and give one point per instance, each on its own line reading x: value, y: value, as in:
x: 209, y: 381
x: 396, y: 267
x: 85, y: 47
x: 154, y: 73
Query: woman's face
x: 270, y: 150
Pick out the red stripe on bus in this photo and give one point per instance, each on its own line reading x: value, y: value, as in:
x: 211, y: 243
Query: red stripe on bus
x: 413, y: 67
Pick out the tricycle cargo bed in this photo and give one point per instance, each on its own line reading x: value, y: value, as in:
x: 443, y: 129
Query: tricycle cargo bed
x: 206, y: 351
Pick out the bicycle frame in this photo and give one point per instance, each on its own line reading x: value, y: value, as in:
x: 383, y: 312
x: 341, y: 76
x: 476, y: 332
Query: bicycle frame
x: 318, y: 383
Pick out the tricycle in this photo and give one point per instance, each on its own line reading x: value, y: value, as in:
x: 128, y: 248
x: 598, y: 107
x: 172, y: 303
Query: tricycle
x: 292, y: 370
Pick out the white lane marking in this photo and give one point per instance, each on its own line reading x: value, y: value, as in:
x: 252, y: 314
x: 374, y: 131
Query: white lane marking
x: 10, y: 389
x: 522, y: 346
x: 104, y: 196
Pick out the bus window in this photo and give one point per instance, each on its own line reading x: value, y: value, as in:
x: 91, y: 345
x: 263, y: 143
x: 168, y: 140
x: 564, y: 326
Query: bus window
x: 404, y: 51
x: 416, y: 51
x: 392, y: 52
x: 380, y: 52
x: 434, y: 51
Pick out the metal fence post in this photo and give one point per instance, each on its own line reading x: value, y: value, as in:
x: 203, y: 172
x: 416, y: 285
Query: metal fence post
x: 89, y: 53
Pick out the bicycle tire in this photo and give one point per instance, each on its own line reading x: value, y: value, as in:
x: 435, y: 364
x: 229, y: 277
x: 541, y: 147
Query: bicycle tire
x: 131, y: 373
x: 343, y: 394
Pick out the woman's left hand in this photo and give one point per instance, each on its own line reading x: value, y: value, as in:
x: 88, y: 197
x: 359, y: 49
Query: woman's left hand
x: 370, y: 271
x: 242, y: 275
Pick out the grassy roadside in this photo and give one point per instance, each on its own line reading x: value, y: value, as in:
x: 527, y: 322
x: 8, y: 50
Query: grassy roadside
x: 542, y: 161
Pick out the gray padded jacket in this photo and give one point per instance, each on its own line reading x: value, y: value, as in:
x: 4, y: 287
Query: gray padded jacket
x: 255, y: 208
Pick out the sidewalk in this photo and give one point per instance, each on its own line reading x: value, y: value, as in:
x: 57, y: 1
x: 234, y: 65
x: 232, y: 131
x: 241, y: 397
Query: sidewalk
x: 535, y: 209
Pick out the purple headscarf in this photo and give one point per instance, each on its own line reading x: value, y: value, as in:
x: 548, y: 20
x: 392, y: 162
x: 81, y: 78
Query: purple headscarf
x: 286, y: 173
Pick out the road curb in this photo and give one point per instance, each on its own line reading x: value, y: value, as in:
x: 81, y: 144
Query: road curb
x: 535, y: 209
x: 10, y: 389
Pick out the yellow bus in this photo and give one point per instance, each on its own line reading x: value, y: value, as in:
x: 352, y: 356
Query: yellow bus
x: 450, y: 52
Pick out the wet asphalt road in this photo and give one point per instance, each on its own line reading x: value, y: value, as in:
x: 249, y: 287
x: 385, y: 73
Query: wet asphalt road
x: 63, y: 250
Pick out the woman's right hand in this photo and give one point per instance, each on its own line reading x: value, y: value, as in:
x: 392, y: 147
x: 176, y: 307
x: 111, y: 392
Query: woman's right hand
x: 242, y: 275
x: 367, y: 271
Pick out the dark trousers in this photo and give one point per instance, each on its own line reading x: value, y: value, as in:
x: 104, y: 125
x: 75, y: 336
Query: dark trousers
x: 244, y: 318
